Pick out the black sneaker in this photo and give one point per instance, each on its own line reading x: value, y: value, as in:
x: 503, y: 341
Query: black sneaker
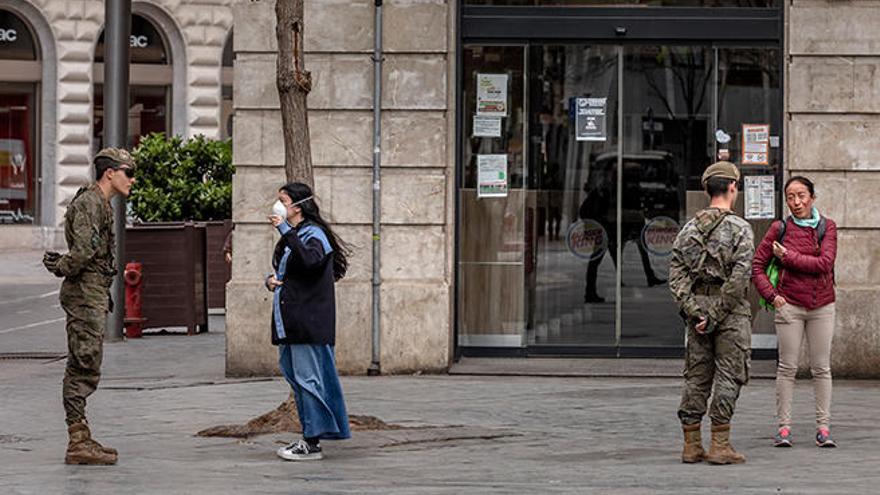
x: 301, y: 451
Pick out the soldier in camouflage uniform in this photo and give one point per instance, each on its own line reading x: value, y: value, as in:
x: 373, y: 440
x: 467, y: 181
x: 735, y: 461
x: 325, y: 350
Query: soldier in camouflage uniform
x: 88, y: 269
x: 709, y: 277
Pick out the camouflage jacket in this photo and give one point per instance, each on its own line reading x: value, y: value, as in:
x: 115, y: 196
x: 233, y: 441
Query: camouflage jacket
x: 714, y: 250
x: 88, y: 229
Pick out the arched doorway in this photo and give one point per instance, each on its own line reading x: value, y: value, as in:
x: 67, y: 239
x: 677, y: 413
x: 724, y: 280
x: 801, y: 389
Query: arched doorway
x: 151, y: 79
x: 20, y: 77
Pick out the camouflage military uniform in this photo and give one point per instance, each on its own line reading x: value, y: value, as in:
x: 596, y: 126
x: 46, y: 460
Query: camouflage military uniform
x: 709, y: 275
x: 88, y: 270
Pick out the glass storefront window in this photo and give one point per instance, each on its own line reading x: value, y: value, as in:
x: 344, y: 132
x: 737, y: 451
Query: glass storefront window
x: 16, y: 40
x: 575, y: 253
x: 149, y: 107
x: 492, y: 257
x: 18, y: 184
x: 226, y: 78
x: 146, y: 43
x: 147, y: 113
x: 631, y: 3
x: 19, y: 181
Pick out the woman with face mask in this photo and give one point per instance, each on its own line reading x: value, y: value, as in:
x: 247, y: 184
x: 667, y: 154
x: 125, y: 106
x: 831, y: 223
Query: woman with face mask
x: 309, y: 258
x: 805, y: 246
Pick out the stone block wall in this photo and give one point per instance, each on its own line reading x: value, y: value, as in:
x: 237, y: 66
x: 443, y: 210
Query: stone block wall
x: 833, y: 137
x: 417, y: 177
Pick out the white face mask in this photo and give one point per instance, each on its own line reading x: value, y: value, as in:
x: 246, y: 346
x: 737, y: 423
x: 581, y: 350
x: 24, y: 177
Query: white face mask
x: 279, y: 209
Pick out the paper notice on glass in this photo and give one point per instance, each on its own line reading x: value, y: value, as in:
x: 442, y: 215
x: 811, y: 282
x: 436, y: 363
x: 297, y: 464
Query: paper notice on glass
x: 760, y: 197
x: 492, y: 95
x: 590, y: 119
x: 487, y: 126
x: 491, y: 176
x: 755, y: 144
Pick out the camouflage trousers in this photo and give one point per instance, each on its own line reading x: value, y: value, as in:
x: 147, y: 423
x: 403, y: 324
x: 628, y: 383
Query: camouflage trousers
x: 716, y: 364
x: 86, y: 319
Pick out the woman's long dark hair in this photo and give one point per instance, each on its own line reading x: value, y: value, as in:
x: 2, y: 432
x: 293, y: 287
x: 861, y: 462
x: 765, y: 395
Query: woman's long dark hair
x: 311, y: 213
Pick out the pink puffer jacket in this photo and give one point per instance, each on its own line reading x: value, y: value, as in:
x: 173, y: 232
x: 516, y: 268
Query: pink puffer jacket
x: 807, y: 275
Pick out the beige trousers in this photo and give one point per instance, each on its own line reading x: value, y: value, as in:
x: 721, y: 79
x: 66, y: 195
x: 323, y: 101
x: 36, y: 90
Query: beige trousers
x: 792, y: 323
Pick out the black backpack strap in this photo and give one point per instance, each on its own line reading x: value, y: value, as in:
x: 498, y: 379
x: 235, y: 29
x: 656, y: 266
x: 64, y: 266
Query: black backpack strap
x: 780, y: 234
x: 821, y: 228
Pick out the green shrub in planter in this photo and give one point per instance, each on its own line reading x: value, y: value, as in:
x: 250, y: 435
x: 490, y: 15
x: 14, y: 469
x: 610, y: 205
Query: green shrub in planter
x: 180, y: 180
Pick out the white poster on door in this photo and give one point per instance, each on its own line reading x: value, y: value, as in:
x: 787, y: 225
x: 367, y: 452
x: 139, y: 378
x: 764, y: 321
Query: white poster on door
x: 760, y: 200
x: 756, y: 144
x: 491, y: 176
x: 487, y: 126
x: 492, y: 95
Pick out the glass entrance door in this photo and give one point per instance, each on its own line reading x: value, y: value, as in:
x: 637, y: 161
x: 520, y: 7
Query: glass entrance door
x: 580, y: 164
x: 571, y: 290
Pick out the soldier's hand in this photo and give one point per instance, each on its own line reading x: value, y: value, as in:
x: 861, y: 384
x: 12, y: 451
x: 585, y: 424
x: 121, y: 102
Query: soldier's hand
x: 50, y: 261
x: 701, y: 326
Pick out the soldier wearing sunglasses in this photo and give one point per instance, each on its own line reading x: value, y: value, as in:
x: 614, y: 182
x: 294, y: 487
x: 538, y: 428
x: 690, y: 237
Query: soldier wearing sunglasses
x: 88, y: 269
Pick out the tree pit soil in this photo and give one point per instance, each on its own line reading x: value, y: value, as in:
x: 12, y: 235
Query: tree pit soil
x: 284, y: 419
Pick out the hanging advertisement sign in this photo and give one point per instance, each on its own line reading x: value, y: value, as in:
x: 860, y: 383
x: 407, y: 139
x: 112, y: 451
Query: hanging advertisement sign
x: 756, y: 144
x: 491, y: 176
x: 487, y: 126
x: 589, y: 119
x: 760, y: 200
x: 492, y: 95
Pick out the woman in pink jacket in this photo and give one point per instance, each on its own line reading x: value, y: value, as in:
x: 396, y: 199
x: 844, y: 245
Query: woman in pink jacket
x: 803, y: 299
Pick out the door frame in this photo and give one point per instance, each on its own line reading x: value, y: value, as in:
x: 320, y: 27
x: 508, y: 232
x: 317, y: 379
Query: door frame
x: 518, y: 25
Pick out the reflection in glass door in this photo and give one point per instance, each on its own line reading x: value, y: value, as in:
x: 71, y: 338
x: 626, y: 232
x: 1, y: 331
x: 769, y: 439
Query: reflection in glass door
x: 667, y: 121
x: 571, y: 289
x: 601, y: 148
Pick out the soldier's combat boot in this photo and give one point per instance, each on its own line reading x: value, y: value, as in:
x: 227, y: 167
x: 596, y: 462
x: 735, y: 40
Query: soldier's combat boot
x: 693, y: 444
x: 721, y: 452
x: 81, y: 449
x: 108, y: 450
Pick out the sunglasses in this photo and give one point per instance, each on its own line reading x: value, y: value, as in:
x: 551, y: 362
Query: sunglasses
x: 129, y: 172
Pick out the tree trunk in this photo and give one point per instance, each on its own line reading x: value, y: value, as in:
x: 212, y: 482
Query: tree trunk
x: 294, y: 85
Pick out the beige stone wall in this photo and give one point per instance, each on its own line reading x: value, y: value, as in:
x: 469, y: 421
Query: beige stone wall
x: 417, y: 177
x: 833, y: 137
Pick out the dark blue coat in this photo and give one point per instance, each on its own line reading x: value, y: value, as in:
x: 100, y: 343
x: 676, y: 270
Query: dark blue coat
x: 308, y: 296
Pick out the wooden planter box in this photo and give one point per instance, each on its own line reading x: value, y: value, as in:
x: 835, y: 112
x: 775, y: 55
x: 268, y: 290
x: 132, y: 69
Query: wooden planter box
x: 175, y: 287
x: 219, y: 270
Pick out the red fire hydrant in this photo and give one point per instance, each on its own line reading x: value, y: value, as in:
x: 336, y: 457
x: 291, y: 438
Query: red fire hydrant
x: 134, y: 319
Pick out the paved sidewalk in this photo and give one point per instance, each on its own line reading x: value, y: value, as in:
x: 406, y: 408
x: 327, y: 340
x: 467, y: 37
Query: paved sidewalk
x: 467, y: 434
x: 488, y: 435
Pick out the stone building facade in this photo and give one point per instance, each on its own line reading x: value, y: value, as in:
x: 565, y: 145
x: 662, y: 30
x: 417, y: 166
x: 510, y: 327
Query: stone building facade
x: 828, y: 131
x: 190, y: 37
x: 833, y: 118
x: 828, y: 58
x: 417, y: 178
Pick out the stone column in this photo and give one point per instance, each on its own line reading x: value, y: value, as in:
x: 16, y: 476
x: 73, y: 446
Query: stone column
x: 417, y: 178
x: 833, y: 137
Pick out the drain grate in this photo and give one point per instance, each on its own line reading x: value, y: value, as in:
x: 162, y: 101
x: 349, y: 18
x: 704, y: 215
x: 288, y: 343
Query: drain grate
x: 39, y: 356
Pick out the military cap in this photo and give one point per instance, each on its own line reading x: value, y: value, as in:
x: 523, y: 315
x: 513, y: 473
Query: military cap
x: 725, y: 170
x: 118, y: 155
